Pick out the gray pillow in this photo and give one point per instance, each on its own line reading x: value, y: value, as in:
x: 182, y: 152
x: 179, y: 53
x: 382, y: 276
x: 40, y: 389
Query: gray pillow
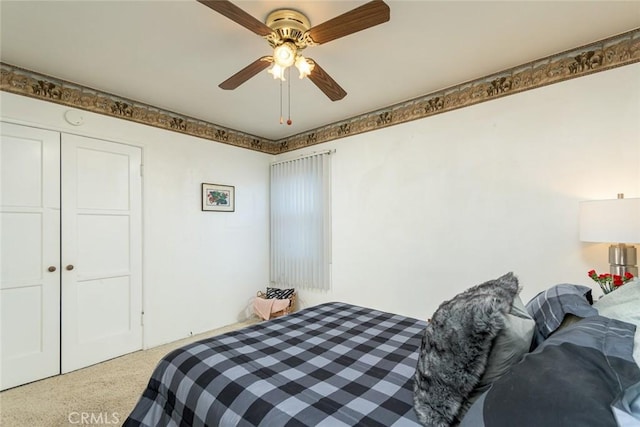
x: 511, y: 344
x: 455, y: 349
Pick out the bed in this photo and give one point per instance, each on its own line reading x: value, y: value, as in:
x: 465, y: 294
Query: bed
x: 334, y: 364
x: 338, y: 364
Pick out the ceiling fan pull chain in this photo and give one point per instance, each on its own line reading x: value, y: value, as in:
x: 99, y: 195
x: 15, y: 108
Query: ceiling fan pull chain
x: 281, y: 118
x: 289, y: 94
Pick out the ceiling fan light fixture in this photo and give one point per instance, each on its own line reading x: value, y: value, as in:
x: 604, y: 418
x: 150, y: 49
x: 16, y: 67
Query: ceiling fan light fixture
x: 277, y: 71
x: 304, y: 66
x: 284, y: 55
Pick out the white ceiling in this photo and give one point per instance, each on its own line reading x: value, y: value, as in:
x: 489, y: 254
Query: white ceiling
x: 173, y: 54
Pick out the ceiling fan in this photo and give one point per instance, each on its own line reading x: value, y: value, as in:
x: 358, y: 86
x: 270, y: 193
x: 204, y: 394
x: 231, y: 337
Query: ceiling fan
x: 289, y: 32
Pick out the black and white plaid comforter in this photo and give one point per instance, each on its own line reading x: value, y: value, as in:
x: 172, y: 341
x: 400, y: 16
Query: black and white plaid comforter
x: 330, y: 365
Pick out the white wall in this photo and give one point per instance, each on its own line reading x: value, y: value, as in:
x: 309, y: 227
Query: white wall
x: 200, y: 268
x: 421, y: 211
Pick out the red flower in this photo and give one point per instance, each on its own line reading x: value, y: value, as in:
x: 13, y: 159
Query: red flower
x: 609, y: 282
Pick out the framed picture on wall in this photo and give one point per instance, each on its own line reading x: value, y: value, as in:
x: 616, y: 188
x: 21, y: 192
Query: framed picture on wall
x: 218, y: 198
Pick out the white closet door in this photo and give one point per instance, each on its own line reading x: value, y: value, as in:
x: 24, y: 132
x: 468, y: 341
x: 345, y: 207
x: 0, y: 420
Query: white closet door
x: 101, y: 251
x: 30, y: 254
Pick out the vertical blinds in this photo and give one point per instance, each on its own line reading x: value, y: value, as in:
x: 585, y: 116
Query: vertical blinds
x: 301, y: 222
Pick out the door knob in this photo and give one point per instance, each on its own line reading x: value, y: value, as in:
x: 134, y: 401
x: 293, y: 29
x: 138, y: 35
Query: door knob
x: 51, y: 269
x: 70, y: 267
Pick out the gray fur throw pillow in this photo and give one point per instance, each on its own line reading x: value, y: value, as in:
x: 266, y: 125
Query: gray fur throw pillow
x: 455, y: 349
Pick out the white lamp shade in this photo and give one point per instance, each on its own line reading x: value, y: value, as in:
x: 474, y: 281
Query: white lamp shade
x: 611, y: 221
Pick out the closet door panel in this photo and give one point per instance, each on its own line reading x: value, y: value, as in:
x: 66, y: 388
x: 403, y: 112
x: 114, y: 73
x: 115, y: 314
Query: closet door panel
x: 24, y: 246
x: 30, y: 254
x: 101, y: 247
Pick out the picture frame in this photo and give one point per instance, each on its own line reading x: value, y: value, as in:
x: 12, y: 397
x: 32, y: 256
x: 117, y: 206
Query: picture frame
x: 218, y: 198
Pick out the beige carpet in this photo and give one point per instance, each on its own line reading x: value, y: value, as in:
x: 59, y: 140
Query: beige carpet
x: 103, y: 394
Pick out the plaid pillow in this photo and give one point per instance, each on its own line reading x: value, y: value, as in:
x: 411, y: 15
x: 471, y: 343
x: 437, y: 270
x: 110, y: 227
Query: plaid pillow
x: 549, y: 308
x: 279, y: 293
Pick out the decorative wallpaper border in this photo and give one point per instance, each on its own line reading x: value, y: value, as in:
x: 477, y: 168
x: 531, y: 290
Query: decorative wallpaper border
x: 613, y: 52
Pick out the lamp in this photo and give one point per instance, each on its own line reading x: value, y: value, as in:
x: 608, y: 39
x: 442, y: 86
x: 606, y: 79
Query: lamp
x: 286, y: 55
x: 613, y: 221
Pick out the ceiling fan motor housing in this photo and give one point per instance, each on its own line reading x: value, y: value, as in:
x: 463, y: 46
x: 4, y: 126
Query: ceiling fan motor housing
x: 287, y: 25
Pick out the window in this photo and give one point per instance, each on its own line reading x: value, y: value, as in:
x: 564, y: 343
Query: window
x: 301, y: 222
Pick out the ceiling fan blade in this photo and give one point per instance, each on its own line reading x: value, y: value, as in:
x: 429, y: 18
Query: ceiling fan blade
x: 368, y: 15
x: 233, y: 12
x: 246, y: 73
x: 326, y: 84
